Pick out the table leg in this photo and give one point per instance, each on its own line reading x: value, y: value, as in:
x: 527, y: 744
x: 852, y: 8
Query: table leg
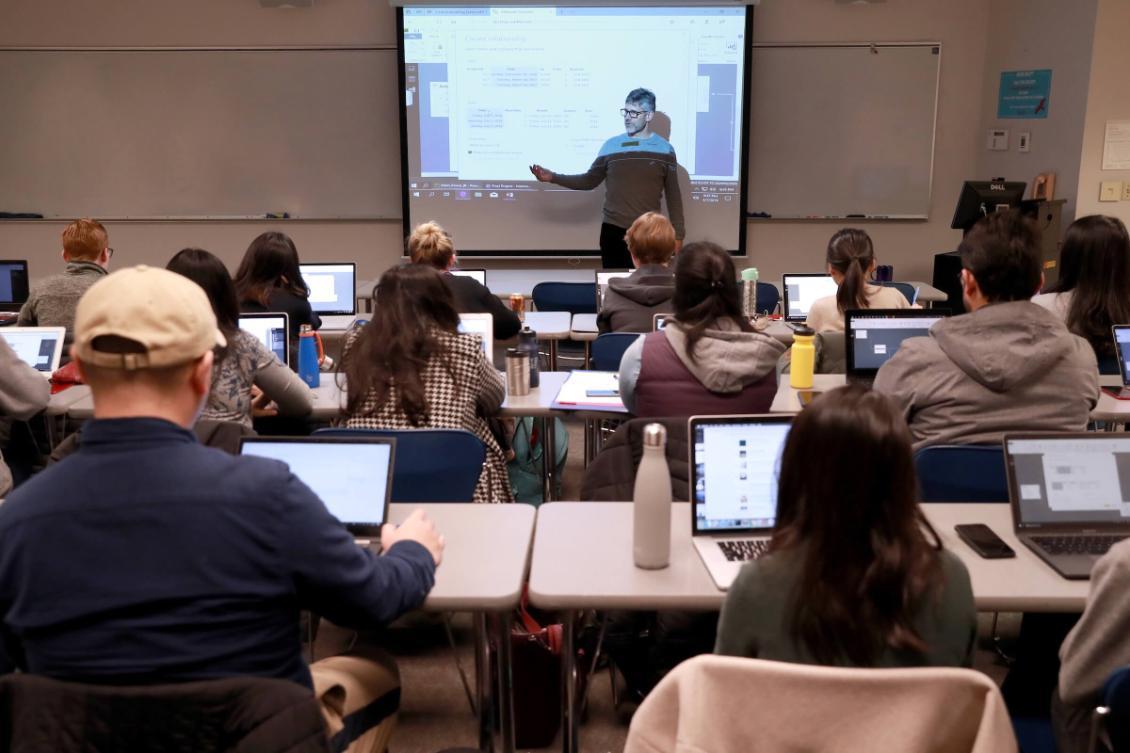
x: 569, y: 726
x: 505, y: 696
x: 588, y: 352
x: 548, y: 454
x: 553, y: 355
x: 482, y: 683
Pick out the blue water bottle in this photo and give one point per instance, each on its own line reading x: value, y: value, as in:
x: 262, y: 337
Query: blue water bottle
x: 308, y: 357
x: 528, y: 344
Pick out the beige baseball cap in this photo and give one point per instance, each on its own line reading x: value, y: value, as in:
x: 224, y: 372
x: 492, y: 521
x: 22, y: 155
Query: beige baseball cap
x: 166, y: 314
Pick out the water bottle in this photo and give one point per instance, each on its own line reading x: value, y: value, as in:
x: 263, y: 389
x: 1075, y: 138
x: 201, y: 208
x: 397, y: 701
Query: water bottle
x: 804, y: 359
x: 528, y: 343
x: 308, y: 357
x: 749, y: 292
x: 651, y: 531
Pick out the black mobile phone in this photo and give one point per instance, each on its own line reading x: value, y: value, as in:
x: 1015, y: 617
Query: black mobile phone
x: 982, y: 540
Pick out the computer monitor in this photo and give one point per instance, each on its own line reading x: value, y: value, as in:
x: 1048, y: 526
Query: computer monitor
x: 979, y: 198
x: 13, y: 284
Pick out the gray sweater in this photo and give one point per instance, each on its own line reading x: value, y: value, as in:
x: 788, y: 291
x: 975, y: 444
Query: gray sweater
x: 23, y: 393
x: 53, y: 300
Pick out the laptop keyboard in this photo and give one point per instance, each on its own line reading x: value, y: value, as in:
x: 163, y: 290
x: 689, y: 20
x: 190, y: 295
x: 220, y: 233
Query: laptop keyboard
x: 1097, y: 544
x: 744, y: 549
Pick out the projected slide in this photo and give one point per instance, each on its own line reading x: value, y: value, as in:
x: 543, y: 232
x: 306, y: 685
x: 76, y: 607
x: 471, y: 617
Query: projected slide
x: 491, y: 91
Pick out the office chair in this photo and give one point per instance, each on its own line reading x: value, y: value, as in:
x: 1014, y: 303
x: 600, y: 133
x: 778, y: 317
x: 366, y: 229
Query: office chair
x: 574, y: 297
x: 961, y: 473
x: 608, y: 348
x: 903, y: 287
x: 768, y: 297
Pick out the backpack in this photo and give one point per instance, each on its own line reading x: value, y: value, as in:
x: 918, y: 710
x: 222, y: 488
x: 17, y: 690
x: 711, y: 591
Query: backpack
x: 525, y: 469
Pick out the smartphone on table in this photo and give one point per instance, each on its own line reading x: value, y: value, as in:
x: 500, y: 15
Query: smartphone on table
x: 984, y: 541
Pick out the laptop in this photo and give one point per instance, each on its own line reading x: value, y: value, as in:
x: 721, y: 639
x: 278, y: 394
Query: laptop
x: 333, y: 292
x: 602, y: 276
x: 270, y: 329
x: 481, y: 325
x: 1070, y: 496
x: 872, y: 336
x: 477, y: 274
x: 801, y: 289
x: 39, y: 347
x: 733, y: 479
x: 351, y: 475
x: 13, y: 284
x: 1122, y: 350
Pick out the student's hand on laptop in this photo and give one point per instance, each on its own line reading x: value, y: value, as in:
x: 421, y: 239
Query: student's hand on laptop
x: 261, y: 405
x: 419, y: 528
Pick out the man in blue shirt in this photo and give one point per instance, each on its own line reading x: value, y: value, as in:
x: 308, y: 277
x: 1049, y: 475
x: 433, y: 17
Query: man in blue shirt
x: 146, y: 557
x: 639, y: 167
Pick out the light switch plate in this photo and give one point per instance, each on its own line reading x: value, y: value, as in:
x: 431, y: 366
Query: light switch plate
x: 1024, y: 141
x: 998, y: 140
x: 1126, y: 190
x: 1110, y: 190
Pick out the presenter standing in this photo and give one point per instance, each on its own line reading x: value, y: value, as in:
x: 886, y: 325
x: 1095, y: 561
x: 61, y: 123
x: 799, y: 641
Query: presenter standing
x: 639, y: 167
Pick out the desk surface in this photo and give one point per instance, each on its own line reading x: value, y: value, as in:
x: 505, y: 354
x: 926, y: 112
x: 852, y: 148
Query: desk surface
x: 61, y: 402
x: 549, y: 325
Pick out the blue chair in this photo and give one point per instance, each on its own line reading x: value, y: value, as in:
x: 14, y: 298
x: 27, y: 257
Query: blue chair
x: 574, y: 297
x: 903, y: 287
x: 1116, y: 720
x: 768, y: 297
x: 961, y: 473
x: 429, y: 465
x: 608, y: 348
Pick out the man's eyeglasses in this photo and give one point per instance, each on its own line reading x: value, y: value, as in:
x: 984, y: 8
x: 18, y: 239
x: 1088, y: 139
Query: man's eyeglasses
x: 109, y: 252
x: 633, y: 114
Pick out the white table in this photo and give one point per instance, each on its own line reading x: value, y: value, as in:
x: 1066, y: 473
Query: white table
x: 61, y: 402
x: 927, y: 293
x: 550, y: 326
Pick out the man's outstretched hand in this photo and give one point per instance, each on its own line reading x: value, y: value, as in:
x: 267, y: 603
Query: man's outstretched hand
x: 541, y: 173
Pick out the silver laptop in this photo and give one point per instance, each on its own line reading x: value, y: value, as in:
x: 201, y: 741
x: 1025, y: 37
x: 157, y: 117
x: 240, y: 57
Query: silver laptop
x: 351, y: 475
x: 801, y: 289
x: 733, y: 479
x: 39, y: 347
x: 1122, y: 349
x: 333, y: 292
x: 1070, y: 496
x: 481, y: 325
x: 872, y: 336
x: 477, y: 274
x: 271, y: 329
x: 602, y: 276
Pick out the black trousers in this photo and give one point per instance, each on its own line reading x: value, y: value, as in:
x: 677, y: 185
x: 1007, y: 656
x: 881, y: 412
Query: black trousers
x: 613, y: 250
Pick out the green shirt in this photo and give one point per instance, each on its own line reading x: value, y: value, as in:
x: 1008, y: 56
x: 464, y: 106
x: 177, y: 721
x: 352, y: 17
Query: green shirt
x: 755, y: 618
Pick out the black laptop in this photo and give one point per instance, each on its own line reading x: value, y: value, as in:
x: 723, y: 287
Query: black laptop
x: 872, y: 336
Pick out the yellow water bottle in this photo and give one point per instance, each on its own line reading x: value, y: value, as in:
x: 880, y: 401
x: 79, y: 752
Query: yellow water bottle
x: 804, y: 359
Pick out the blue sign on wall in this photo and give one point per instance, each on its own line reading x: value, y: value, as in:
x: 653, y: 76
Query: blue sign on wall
x: 1025, y: 94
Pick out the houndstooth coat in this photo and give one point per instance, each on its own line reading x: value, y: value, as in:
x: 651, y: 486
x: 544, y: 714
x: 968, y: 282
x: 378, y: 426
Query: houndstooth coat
x: 477, y: 390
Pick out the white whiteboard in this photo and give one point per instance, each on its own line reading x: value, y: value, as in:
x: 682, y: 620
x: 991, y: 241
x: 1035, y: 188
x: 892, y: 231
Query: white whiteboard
x: 200, y: 133
x: 837, y: 131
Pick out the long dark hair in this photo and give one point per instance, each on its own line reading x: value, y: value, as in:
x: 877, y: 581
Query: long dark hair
x: 870, y: 557
x: 412, y: 303
x: 1094, y: 263
x: 706, y: 291
x: 271, y: 261
x: 851, y: 253
x: 207, y: 271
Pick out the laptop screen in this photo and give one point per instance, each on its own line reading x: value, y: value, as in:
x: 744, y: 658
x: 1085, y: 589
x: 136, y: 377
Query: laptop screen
x: 482, y: 325
x: 478, y: 274
x: 39, y: 347
x: 13, y: 283
x: 874, y: 335
x: 801, y: 290
x: 350, y: 475
x: 1069, y: 479
x: 269, y: 329
x: 734, y: 471
x: 1122, y: 343
x: 333, y: 287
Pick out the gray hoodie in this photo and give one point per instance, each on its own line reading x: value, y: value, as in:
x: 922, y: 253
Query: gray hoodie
x: 1005, y: 367
x: 631, y: 302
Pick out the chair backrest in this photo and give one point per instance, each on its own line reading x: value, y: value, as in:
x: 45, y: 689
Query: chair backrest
x: 903, y: 287
x: 1116, y: 698
x: 767, y: 297
x: 961, y: 473
x: 608, y: 348
x: 430, y: 465
x: 232, y: 714
x: 724, y: 704
x: 574, y: 297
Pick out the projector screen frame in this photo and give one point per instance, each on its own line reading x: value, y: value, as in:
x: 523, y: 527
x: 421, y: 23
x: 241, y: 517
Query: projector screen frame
x: 744, y: 136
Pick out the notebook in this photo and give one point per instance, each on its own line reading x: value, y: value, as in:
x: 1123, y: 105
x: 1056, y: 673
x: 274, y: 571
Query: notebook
x: 1070, y: 496
x: 481, y: 325
x: 478, y: 274
x: 270, y: 329
x: 351, y: 475
x: 734, y: 462
x: 13, y: 284
x: 602, y: 276
x: 801, y: 289
x: 872, y: 336
x: 1122, y: 349
x: 333, y: 292
x: 39, y: 347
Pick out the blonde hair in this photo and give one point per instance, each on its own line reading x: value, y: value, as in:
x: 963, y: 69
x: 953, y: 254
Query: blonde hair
x: 651, y: 239
x: 431, y: 244
x: 85, y: 240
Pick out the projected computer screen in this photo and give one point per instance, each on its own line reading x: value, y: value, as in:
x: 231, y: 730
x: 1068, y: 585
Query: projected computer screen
x: 491, y: 91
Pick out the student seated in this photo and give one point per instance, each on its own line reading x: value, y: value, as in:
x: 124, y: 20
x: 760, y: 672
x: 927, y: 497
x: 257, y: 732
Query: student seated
x: 146, y: 558
x: 431, y: 245
x: 1008, y: 365
x: 268, y: 279
x: 246, y: 376
x: 1093, y: 291
x: 52, y: 301
x: 23, y: 393
x: 630, y: 303
x: 851, y: 263
x: 855, y: 575
x: 409, y: 368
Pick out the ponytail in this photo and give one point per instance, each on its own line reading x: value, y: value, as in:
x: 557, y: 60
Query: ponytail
x: 851, y: 253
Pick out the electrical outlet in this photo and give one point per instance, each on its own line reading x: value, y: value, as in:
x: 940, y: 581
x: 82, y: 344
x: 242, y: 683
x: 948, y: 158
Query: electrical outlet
x: 1126, y: 190
x: 1024, y: 141
x: 1110, y: 190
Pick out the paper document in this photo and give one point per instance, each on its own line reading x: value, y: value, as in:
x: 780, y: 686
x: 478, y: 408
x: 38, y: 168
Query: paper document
x: 574, y: 393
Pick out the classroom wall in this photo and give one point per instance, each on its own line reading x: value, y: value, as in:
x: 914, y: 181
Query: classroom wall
x: 1028, y: 34
x: 1108, y: 98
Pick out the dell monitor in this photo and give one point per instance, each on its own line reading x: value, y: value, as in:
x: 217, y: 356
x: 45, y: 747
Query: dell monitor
x: 979, y: 198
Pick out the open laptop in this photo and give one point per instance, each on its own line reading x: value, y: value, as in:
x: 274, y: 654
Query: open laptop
x: 39, y: 347
x: 1122, y: 350
x: 351, y: 475
x: 1070, y: 496
x: 602, y: 276
x: 272, y: 330
x: 801, y: 289
x: 478, y: 274
x: 13, y: 284
x: 733, y: 479
x: 481, y: 325
x: 872, y: 336
x: 659, y: 321
x: 333, y: 292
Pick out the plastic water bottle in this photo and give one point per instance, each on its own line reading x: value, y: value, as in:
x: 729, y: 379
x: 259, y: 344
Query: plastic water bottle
x: 749, y: 292
x: 308, y: 357
x: 804, y: 359
x: 651, y: 531
x: 528, y: 343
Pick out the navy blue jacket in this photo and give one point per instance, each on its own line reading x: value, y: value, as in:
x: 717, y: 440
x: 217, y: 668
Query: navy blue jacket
x: 146, y: 557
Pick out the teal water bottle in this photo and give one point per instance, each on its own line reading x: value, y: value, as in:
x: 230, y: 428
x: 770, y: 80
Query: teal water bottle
x: 308, y: 357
